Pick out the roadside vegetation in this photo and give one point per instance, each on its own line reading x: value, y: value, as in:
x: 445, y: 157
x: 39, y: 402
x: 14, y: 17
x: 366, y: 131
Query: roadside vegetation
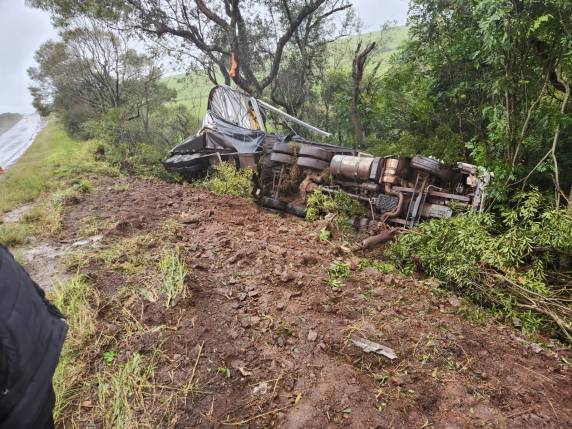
x: 487, y: 83
x: 96, y: 361
x: 53, y: 173
x: 226, y: 179
x: 518, y: 264
x: 56, y: 161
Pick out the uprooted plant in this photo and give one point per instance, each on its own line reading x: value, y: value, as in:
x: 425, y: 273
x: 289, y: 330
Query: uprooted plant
x: 516, y: 264
x: 226, y: 179
x: 339, y: 205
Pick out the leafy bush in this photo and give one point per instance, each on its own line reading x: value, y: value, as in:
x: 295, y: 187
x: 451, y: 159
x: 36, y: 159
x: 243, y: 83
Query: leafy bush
x: 319, y: 204
x: 228, y: 180
x: 514, y: 263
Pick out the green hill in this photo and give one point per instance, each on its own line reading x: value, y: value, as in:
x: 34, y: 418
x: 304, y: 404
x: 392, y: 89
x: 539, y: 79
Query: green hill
x: 8, y: 120
x: 193, y: 89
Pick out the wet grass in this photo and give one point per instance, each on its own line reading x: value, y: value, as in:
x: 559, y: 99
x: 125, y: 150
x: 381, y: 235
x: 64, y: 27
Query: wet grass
x: 54, y: 161
x: 103, y: 379
x: 174, y: 274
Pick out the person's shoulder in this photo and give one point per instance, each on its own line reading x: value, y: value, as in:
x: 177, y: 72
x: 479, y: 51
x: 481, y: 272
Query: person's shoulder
x: 5, y: 255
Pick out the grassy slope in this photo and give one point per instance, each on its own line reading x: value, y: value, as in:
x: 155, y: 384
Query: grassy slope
x: 52, y: 171
x: 8, y: 120
x: 193, y: 89
x: 52, y: 160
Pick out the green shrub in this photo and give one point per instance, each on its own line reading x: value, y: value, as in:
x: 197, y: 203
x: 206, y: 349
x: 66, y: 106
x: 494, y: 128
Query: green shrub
x: 227, y: 180
x: 510, y: 262
x: 320, y: 204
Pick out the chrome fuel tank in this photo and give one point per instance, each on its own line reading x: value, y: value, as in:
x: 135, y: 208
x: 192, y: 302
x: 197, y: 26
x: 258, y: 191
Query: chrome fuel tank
x: 352, y: 167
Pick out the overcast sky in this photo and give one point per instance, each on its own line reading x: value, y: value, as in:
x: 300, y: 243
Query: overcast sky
x: 23, y: 30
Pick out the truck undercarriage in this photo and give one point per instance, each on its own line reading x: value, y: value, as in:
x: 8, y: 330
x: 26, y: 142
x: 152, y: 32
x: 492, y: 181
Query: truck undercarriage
x: 397, y: 190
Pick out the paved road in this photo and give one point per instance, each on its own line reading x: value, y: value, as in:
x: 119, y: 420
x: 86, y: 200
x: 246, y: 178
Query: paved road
x: 15, y: 141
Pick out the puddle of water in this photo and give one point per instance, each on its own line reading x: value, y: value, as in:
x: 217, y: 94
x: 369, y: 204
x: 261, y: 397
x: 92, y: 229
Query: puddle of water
x: 16, y: 214
x: 44, y: 261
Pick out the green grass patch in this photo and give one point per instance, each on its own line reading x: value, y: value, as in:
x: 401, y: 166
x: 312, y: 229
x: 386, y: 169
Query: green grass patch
x: 174, y: 274
x: 79, y: 302
x: 14, y: 234
x: 228, y: 180
x: 54, y: 161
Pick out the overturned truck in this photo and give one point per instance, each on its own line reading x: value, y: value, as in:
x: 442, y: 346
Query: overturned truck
x: 288, y: 168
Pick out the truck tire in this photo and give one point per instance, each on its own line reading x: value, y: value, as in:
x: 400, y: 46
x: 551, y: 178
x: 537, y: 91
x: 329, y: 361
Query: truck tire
x: 311, y: 163
x: 296, y: 210
x: 282, y: 158
x: 284, y: 148
x: 192, y: 172
x: 273, y: 203
x: 316, y: 152
x: 432, y: 166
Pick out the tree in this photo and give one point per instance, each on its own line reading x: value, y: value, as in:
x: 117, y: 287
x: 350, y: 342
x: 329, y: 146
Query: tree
x: 358, y: 67
x: 91, y: 71
x: 244, y: 41
x: 490, y: 80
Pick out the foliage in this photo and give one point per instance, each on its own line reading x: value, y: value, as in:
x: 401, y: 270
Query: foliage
x: 337, y: 272
x: 103, y: 89
x: 226, y: 179
x: 137, y: 146
x: 382, y: 267
x: 266, y: 45
x: 319, y: 204
x: 486, y: 82
x: 508, y: 263
x: 109, y: 357
x: 324, y: 234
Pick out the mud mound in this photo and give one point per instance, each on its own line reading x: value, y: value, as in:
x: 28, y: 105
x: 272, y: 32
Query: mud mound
x: 261, y: 311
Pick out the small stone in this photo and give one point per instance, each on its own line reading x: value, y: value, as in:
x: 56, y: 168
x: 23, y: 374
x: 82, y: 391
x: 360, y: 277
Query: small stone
x: 261, y: 389
x: 373, y: 273
x: 242, y: 296
x: 454, y: 301
x: 312, y: 335
x: 252, y: 293
x: 535, y: 348
x: 245, y: 322
x: 255, y: 320
x: 280, y: 306
x: 287, y: 275
x: 189, y: 218
x: 397, y: 380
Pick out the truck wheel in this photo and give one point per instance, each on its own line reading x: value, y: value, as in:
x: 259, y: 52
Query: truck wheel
x: 273, y: 203
x: 296, y: 210
x: 432, y: 166
x: 316, y: 152
x: 282, y: 158
x: 314, y: 164
x: 192, y: 172
x: 285, y: 148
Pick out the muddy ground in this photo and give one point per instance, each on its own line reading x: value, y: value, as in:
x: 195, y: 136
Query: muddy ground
x: 260, y: 307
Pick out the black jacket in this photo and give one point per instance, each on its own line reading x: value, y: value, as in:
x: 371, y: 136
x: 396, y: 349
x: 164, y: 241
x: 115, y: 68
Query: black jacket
x: 32, y: 332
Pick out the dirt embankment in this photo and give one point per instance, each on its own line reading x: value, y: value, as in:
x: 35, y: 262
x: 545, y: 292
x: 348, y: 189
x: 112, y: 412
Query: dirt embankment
x: 260, y: 309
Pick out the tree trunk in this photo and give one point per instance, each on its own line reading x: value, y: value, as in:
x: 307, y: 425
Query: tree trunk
x: 358, y: 68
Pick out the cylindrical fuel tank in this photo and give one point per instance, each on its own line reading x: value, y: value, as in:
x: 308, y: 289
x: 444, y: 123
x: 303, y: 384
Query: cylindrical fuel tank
x: 351, y: 167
